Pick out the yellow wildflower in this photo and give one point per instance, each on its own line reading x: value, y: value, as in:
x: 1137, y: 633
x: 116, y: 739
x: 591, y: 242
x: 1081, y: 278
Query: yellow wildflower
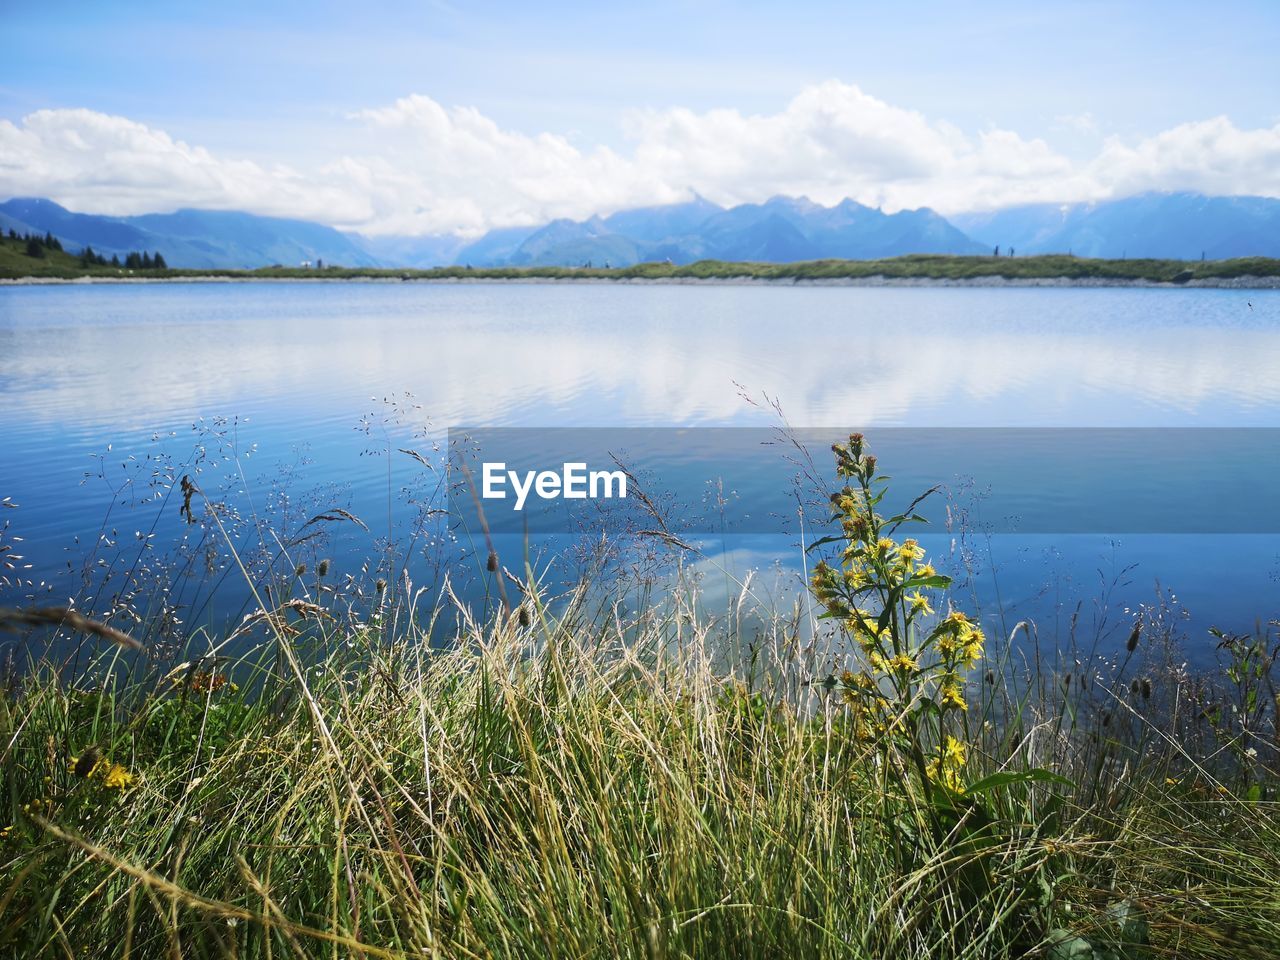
x: 860, y: 621
x: 92, y: 766
x: 941, y: 773
x: 859, y: 680
x: 910, y: 551
x: 821, y: 580
x: 904, y: 663
x: 919, y: 603
x: 926, y: 570
x: 856, y: 527
x: 953, y: 695
x: 856, y: 577
x: 946, y: 767
x: 972, y: 640
x: 117, y: 777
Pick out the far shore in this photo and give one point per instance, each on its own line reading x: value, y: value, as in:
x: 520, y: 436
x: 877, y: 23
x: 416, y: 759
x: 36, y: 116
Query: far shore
x: 1223, y: 283
x: 915, y: 270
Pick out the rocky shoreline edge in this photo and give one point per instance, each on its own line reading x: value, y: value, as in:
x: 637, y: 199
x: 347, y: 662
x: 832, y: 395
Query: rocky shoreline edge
x: 1225, y: 283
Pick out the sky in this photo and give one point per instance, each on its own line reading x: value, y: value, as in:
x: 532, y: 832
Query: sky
x: 436, y: 117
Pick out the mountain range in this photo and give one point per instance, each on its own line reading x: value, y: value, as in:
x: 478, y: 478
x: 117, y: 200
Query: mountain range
x: 200, y: 239
x: 780, y: 230
x: 1175, y: 226
x: 1184, y: 226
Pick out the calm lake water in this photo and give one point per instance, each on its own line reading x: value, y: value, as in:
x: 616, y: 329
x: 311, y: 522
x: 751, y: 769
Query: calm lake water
x: 294, y: 396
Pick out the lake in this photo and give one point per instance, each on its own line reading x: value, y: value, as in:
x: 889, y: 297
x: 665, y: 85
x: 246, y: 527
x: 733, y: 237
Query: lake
x: 293, y: 398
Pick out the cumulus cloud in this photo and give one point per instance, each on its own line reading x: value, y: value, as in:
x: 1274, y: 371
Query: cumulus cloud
x: 1212, y: 156
x: 428, y: 168
x: 106, y: 164
x: 416, y: 166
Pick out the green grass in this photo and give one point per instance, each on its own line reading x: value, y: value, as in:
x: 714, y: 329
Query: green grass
x: 14, y: 261
x: 15, y: 264
x: 578, y: 788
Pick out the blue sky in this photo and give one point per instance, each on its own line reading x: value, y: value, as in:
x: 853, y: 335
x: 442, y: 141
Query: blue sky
x: 277, y: 85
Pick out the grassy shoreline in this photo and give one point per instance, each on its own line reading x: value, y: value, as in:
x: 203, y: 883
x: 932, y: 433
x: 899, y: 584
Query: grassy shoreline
x: 571, y: 789
x: 1260, y: 272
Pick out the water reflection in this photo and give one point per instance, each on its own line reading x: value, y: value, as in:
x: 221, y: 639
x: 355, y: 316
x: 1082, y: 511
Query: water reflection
x: 108, y: 358
x: 81, y: 368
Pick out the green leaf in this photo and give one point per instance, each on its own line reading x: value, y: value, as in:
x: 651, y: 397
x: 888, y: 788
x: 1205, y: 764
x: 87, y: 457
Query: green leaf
x: 905, y: 518
x: 1003, y: 779
x: 824, y: 541
x: 1065, y: 945
x: 938, y: 581
x: 886, y: 614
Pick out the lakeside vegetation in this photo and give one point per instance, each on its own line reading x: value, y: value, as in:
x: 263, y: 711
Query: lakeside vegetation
x: 578, y: 779
x: 33, y: 255
x: 15, y: 264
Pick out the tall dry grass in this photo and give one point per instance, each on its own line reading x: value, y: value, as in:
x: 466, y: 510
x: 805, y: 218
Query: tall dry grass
x: 584, y: 785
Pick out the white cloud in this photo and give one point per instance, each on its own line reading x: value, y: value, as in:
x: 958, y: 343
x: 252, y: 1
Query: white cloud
x: 415, y: 166
x: 1211, y: 156
x: 106, y: 164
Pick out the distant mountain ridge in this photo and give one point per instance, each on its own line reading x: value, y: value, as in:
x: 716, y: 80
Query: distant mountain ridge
x: 200, y: 239
x: 780, y: 230
x: 1178, y: 226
